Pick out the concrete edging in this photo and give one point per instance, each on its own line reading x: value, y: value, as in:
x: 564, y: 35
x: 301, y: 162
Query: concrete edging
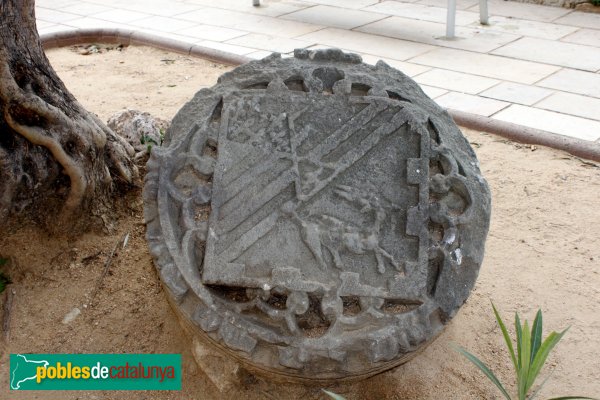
x: 518, y: 133
x: 131, y: 37
x: 523, y: 134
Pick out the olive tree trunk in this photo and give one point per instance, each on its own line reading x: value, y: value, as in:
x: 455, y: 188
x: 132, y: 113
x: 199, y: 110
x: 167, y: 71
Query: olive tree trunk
x: 58, y: 162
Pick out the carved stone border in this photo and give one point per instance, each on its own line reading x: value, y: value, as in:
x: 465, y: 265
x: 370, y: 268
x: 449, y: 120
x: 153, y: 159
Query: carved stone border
x: 455, y: 236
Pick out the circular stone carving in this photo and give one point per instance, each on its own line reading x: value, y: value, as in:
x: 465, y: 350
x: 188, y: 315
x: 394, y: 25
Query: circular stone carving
x: 316, y: 217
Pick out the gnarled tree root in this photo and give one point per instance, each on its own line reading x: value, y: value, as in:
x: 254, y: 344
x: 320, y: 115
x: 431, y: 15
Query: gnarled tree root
x: 42, y: 143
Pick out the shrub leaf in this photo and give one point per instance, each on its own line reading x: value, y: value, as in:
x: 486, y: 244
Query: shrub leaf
x: 536, y: 335
x: 519, y: 334
x: 545, y: 348
x: 483, y: 368
x: 506, y: 336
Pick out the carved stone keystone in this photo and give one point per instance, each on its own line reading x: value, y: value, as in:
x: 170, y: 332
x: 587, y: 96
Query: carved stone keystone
x: 316, y: 217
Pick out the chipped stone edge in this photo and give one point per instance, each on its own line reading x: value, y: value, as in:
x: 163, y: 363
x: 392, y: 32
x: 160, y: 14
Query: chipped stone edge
x: 577, y: 147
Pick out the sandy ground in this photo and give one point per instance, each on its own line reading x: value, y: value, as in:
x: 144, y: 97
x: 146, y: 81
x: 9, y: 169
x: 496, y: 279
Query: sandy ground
x: 542, y: 251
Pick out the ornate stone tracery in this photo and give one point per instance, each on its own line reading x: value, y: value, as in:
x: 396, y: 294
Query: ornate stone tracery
x: 315, y: 216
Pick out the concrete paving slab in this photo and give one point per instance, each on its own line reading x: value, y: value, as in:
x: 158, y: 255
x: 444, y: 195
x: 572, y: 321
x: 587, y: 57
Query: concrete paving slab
x: 251, y: 23
x: 552, y: 52
x: 121, y: 16
x: 364, y: 42
x: 581, y: 19
x: 486, y: 65
x: 270, y: 43
x: 54, y: 28
x: 533, y: 12
x: 506, y: 64
x: 334, y: 17
x: 269, y: 8
x: 108, y: 3
x: 44, y: 24
x: 53, y: 16
x: 456, y: 81
x: 54, y: 4
x: 423, y: 12
x: 460, y: 4
x: 162, y: 24
x: 551, y: 121
x: 517, y: 93
x: 210, y: 32
x: 569, y: 80
x: 525, y: 27
x: 589, y: 37
x: 573, y: 104
x: 352, y: 4
x: 84, y: 9
x: 230, y: 48
x: 471, y: 104
x: 433, y: 92
x: 433, y: 33
x: 92, y: 23
x: 158, y: 7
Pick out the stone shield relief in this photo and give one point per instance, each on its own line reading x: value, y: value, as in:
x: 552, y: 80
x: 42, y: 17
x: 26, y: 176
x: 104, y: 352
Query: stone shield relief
x: 316, y: 217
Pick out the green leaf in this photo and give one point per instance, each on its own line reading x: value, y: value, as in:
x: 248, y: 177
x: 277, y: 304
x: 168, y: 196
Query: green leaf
x: 3, y: 261
x: 539, y: 388
x: 536, y: 335
x: 483, y: 368
x: 519, y: 334
x: 543, y: 352
x: 144, y: 139
x: 523, y: 372
x: 334, y: 396
x: 506, y: 336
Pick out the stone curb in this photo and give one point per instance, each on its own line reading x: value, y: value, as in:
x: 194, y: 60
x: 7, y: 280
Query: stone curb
x: 131, y: 37
x: 577, y: 147
x: 523, y: 134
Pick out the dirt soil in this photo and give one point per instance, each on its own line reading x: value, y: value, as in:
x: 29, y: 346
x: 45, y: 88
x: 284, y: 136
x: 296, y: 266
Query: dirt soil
x: 542, y: 252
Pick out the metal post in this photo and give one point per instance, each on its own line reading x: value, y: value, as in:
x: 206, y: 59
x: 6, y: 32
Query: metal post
x: 483, y: 12
x: 451, y: 18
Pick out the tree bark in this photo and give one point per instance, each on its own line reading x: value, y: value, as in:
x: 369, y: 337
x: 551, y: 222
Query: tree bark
x: 58, y: 162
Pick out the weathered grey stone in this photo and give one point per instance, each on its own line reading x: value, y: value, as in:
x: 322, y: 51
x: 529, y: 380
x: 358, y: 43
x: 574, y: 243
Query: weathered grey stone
x: 315, y: 216
x: 223, y: 374
x: 140, y: 129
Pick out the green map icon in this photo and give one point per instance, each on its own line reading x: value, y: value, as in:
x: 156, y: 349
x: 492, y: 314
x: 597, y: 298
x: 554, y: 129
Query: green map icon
x: 23, y: 368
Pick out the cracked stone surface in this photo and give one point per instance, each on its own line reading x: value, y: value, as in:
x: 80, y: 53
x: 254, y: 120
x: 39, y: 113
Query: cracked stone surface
x: 316, y: 217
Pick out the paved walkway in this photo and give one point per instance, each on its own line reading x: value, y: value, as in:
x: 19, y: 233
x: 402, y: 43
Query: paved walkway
x: 533, y: 65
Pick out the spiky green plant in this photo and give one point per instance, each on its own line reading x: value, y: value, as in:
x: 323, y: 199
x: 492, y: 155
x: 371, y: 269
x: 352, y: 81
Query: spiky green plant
x: 149, y: 142
x: 529, y: 358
